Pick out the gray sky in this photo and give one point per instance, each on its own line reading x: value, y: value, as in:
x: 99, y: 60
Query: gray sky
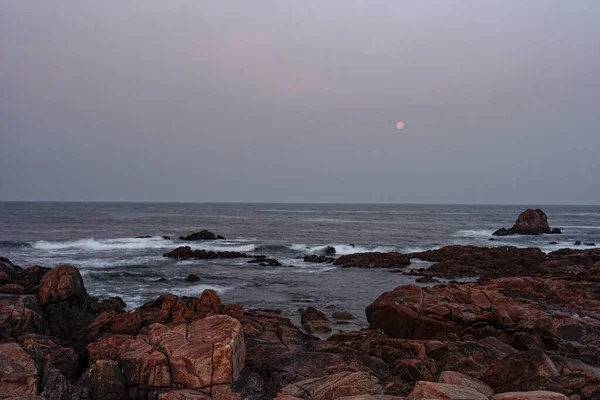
x: 298, y: 101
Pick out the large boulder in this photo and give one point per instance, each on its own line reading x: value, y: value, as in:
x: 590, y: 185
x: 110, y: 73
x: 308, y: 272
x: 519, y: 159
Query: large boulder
x: 18, y: 373
x: 373, y: 260
x: 19, y: 315
x: 62, y: 283
x: 529, y: 222
x: 206, y: 355
x: 456, y: 378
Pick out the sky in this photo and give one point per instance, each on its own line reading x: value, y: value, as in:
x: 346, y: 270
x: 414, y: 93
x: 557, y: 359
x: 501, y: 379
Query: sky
x: 287, y: 101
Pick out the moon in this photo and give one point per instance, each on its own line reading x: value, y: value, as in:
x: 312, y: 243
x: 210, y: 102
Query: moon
x: 400, y: 125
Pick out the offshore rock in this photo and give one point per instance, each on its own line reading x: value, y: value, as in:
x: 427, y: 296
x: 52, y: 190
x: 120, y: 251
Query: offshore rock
x: 202, y: 235
x: 186, y: 252
x: 529, y: 222
x: 314, y: 258
x: 373, y: 260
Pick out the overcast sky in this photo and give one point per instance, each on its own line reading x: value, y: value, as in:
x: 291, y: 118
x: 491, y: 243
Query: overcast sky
x: 298, y: 101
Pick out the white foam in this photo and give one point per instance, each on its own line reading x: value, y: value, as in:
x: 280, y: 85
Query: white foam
x: 220, y: 246
x: 340, y: 249
x: 91, y: 244
x: 474, y: 233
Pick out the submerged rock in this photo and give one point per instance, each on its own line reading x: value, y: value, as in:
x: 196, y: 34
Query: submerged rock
x: 314, y: 258
x: 186, y: 252
x: 373, y: 260
x: 193, y: 278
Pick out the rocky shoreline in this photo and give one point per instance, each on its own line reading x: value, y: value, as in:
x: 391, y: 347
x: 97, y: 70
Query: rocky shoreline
x: 529, y: 324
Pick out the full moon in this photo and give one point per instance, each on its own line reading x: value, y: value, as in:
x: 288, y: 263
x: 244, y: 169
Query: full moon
x: 400, y: 125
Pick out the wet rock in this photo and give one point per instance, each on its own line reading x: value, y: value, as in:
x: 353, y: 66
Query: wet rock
x: 533, y: 395
x: 334, y: 386
x: 529, y: 222
x: 264, y: 261
x: 577, y: 243
x: 374, y: 260
x: 434, y: 390
x: 185, y: 252
x: 143, y: 237
x: 193, y: 278
x: 425, y: 279
x: 329, y: 251
x: 314, y: 320
x: 556, y: 231
x: 342, y: 315
x: 313, y: 258
x: 552, y: 242
x: 590, y: 244
x: 18, y: 373
x: 202, y: 235
x: 456, y: 378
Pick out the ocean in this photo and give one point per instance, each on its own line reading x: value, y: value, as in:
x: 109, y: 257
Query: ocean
x: 99, y: 238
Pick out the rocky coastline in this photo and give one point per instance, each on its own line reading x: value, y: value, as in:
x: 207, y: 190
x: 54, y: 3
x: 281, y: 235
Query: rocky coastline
x: 527, y: 326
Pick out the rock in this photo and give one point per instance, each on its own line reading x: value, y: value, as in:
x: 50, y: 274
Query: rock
x: 577, y: 243
x: 329, y: 251
x: 552, y: 242
x: 456, y: 378
x: 334, y: 386
x: 19, y: 315
x: 207, y: 355
x: 104, y: 380
x: 434, y: 390
x: 18, y: 373
x: 533, y: 395
x: 485, y: 262
x: 183, y: 394
x: 525, y: 370
x: 425, y: 279
x: 185, y: 252
x: 556, y: 231
x: 299, y: 366
x: 202, y: 235
x: 314, y: 320
x: 529, y: 222
x: 373, y: 260
x: 266, y: 261
x: 318, y: 259
x: 193, y: 278
x: 166, y: 237
x: 62, y: 283
x: 590, y: 244
x: 342, y: 315
x: 143, y: 237
x: 371, y: 397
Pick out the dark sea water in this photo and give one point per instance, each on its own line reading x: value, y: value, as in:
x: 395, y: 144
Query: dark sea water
x: 99, y: 239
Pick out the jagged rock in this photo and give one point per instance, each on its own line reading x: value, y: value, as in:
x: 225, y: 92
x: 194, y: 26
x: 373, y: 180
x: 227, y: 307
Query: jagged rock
x: 19, y: 315
x: 373, y: 260
x: 185, y: 252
